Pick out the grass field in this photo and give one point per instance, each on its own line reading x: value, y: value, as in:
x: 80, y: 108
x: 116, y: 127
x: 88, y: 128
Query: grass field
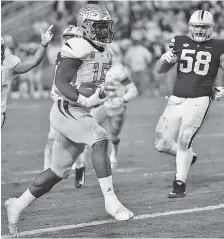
x: 142, y: 181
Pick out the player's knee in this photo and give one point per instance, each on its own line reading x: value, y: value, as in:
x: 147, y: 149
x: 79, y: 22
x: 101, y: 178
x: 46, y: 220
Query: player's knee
x: 52, y: 134
x: 101, y: 145
x: 185, y: 139
x: 61, y: 172
x: 101, y: 136
x: 162, y: 145
x: 115, y: 139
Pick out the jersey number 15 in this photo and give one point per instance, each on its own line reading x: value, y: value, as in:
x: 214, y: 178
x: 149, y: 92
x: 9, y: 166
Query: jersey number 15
x: 200, y: 66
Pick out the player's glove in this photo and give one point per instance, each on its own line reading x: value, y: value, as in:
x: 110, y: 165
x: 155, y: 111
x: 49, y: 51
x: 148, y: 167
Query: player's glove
x: 219, y: 93
x: 46, y: 36
x: 93, y: 100
x: 169, y: 57
x: 118, y: 101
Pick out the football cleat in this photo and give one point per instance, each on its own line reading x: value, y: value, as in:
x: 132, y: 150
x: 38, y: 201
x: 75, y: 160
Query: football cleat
x: 118, y: 211
x: 13, y: 216
x: 178, y: 191
x: 194, y: 158
x: 80, y: 176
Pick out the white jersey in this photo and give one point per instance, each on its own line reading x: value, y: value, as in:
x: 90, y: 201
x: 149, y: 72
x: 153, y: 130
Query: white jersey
x: 94, y: 65
x: 7, y: 75
x: 114, y: 85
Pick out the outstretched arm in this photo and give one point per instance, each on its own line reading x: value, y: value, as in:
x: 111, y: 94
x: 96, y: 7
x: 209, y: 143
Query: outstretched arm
x: 27, y: 65
x: 166, y: 62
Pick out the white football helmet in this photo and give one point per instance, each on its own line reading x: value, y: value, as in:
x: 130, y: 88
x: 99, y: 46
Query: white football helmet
x: 96, y: 23
x: 201, y: 26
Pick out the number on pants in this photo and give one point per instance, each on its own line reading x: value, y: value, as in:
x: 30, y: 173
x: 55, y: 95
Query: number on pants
x: 104, y: 69
x: 201, y: 65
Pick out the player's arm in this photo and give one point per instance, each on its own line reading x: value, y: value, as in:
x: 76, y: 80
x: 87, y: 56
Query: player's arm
x: 27, y: 65
x: 131, y: 89
x: 222, y: 62
x: 166, y: 62
x: 66, y: 72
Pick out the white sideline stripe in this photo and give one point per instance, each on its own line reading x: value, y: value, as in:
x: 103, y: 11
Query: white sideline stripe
x: 139, y: 217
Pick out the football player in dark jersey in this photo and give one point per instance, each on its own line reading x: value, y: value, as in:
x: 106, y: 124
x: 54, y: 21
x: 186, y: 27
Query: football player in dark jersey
x: 198, y: 58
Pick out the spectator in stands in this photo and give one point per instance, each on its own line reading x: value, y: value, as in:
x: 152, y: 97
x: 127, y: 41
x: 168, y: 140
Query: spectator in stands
x: 138, y: 58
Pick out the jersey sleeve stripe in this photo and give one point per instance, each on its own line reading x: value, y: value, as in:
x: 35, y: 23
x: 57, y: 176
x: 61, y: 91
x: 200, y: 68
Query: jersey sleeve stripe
x: 67, y: 52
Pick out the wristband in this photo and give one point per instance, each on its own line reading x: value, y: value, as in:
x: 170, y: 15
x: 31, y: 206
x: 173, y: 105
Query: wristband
x: 44, y: 45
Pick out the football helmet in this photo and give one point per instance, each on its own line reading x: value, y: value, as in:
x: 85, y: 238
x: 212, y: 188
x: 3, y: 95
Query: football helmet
x: 3, y: 47
x: 201, y: 26
x: 96, y: 23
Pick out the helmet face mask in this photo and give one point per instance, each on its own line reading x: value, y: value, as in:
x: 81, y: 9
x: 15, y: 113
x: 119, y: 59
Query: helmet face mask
x: 96, y: 24
x: 201, y: 26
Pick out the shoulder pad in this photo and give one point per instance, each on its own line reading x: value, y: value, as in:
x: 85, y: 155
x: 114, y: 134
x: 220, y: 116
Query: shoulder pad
x: 77, y: 48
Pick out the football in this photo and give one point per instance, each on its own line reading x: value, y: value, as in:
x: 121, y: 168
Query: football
x: 88, y: 89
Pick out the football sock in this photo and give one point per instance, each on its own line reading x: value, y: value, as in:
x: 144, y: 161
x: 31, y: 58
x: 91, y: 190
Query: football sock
x: 48, y: 153
x: 114, y: 150
x: 25, y: 200
x: 47, y: 157
x: 183, y: 163
x: 106, y: 186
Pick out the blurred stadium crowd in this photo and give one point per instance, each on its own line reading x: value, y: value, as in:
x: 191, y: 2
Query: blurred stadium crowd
x: 143, y: 30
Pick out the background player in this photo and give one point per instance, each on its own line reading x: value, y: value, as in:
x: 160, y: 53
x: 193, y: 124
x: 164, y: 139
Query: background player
x: 87, y: 59
x: 12, y: 65
x: 198, y: 59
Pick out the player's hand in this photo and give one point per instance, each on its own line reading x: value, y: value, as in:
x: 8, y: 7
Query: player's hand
x: 46, y: 36
x: 169, y: 57
x: 93, y: 100
x: 219, y: 93
x: 118, y: 101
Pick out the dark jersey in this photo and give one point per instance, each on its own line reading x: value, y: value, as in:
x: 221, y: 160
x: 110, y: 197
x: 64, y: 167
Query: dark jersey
x: 197, y: 66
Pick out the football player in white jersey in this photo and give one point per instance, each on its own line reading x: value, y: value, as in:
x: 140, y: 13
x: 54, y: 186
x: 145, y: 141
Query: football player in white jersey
x: 198, y: 59
x: 82, y: 60
x: 12, y: 65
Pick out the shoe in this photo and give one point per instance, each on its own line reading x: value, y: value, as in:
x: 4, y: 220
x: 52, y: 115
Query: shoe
x: 80, y: 176
x: 118, y: 211
x: 194, y: 158
x: 178, y: 191
x: 13, y: 216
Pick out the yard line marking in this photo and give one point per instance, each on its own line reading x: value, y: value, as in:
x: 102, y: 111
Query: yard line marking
x: 139, y: 217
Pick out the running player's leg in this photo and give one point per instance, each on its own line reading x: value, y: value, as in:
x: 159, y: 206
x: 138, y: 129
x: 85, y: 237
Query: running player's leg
x: 99, y: 114
x: 63, y: 154
x: 48, y: 148
x: 195, y: 111
x: 116, y: 124
x: 168, y: 126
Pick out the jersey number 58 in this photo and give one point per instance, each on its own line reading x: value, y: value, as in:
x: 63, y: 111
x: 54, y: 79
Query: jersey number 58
x: 200, y: 66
